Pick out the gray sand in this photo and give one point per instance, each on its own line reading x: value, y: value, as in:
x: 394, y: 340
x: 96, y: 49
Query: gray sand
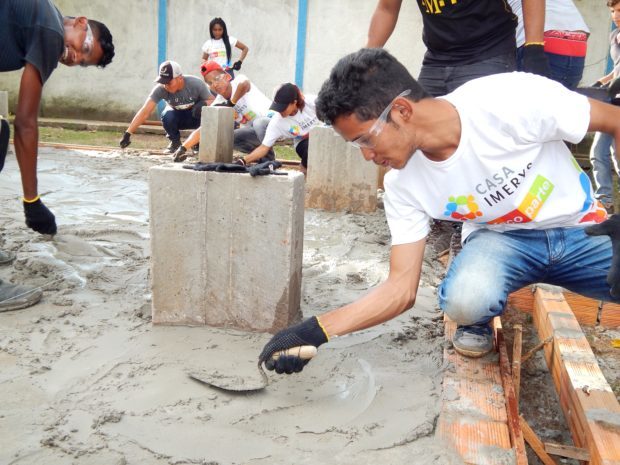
x: 86, y: 379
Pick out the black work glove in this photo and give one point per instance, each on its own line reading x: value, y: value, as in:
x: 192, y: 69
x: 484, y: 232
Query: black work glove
x: 5, y: 133
x: 306, y: 333
x: 596, y: 84
x: 220, y: 167
x: 39, y: 217
x: 180, y: 155
x: 126, y: 140
x: 197, y: 109
x: 267, y: 167
x: 611, y: 228
x: 236, y: 65
x: 535, y: 61
x: 227, y: 103
x: 613, y: 89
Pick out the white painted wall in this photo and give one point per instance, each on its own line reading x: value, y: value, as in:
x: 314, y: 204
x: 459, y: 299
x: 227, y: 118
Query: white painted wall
x: 268, y: 27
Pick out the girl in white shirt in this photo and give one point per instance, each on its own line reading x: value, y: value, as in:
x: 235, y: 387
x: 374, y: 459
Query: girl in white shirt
x: 219, y: 47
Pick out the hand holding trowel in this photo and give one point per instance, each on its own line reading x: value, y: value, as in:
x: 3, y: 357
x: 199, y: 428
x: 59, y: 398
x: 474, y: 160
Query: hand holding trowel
x: 288, y: 352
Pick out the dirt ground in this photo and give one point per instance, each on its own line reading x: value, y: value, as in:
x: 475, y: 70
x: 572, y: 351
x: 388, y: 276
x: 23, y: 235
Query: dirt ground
x: 85, y: 378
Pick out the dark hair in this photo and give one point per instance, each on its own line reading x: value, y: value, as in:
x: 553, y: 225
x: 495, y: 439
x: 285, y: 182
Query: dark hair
x: 612, y: 3
x: 221, y: 22
x: 364, y: 83
x: 104, y: 37
x: 301, y: 102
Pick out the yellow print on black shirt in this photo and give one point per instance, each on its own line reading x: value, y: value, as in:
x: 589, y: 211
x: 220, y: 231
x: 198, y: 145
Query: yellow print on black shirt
x: 434, y: 7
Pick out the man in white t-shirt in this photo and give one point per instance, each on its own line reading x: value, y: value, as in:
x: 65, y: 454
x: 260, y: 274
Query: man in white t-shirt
x: 491, y: 155
x: 249, y: 103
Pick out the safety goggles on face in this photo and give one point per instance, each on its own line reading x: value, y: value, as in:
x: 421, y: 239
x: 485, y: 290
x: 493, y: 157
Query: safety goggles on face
x: 87, y: 45
x: 365, y: 141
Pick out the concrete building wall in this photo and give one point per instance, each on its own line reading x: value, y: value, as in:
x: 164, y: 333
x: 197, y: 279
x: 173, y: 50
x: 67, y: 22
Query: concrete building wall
x: 268, y: 27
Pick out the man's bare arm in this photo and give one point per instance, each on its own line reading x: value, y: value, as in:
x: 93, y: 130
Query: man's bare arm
x: 141, y: 116
x: 383, y: 22
x: 533, y: 20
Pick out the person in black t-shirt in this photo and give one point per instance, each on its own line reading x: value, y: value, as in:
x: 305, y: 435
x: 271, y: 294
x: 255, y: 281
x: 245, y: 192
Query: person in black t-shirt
x: 35, y: 36
x: 466, y: 39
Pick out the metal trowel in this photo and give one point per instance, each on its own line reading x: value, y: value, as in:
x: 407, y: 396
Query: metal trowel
x: 235, y: 383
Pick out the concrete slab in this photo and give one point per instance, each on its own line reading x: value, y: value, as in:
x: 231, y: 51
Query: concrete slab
x: 216, y: 135
x: 4, y: 103
x: 226, y: 249
x: 339, y: 179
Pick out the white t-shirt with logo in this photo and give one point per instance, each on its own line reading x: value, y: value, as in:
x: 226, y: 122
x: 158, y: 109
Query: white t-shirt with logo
x: 216, y: 51
x: 252, y: 105
x: 511, y: 170
x: 296, y: 126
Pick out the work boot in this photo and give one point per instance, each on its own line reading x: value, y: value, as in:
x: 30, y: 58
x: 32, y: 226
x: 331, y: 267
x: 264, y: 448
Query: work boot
x: 180, y: 155
x: 473, y: 341
x: 5, y: 133
x: 6, y: 257
x: 173, y: 146
x: 14, y: 296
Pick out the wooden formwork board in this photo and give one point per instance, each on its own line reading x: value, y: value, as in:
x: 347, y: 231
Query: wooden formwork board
x: 473, y: 418
x: 587, y: 311
x: 589, y: 404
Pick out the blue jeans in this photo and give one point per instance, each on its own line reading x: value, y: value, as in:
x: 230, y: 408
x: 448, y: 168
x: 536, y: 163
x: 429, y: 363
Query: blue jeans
x: 175, y: 120
x: 566, y: 70
x: 491, y: 265
x: 441, y: 80
x: 251, y: 135
x: 601, y: 157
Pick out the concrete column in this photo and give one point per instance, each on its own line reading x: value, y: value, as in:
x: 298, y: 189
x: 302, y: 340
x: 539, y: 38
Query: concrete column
x: 216, y: 135
x: 223, y: 251
x: 4, y: 104
x: 339, y: 179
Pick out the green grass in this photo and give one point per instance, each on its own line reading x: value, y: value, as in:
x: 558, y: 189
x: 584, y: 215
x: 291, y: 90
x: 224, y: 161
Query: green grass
x: 138, y: 141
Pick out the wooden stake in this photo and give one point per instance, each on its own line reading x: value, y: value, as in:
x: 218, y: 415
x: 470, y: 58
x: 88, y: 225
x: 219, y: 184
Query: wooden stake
x: 535, y: 443
x: 570, y: 452
x: 516, y: 360
x: 535, y: 349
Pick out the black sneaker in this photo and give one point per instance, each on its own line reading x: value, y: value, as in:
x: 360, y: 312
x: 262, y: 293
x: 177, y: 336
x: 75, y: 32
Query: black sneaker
x: 196, y: 149
x: 5, y: 133
x: 473, y: 341
x: 173, y: 146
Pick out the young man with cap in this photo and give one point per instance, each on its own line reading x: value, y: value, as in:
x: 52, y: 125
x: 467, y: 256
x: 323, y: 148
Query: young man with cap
x: 250, y: 105
x: 35, y: 37
x: 294, y: 118
x: 495, y: 161
x: 184, y: 96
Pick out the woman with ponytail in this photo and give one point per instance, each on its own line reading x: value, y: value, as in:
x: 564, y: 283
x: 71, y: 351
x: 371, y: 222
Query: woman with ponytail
x: 219, y: 47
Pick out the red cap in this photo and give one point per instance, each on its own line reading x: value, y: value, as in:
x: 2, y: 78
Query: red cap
x: 207, y: 66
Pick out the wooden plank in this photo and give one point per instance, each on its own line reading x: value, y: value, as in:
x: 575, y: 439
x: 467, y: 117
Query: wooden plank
x: 570, y: 452
x: 473, y: 417
x: 512, y: 407
x: 591, y: 409
x: 610, y: 315
x: 535, y: 443
x: 516, y: 360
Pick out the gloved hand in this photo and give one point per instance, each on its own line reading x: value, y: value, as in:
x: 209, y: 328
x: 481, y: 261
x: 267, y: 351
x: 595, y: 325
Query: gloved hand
x: 614, y: 89
x: 237, y: 65
x: 39, y: 217
x: 535, y: 61
x: 611, y: 228
x: 596, y: 84
x: 180, y: 155
x: 267, y: 167
x: 126, y: 140
x: 227, y: 103
x: 306, y: 333
x: 220, y: 167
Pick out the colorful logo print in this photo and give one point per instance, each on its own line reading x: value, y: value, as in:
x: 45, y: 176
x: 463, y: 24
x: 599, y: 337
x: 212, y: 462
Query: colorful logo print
x: 462, y: 208
x: 532, y: 203
x: 294, y: 130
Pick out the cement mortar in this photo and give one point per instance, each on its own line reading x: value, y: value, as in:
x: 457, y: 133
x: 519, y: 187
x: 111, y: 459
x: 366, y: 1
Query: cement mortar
x: 86, y: 379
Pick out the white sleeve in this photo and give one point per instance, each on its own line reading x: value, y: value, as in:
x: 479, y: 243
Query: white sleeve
x: 273, y: 132
x: 206, y: 46
x: 408, y: 223
x: 233, y: 41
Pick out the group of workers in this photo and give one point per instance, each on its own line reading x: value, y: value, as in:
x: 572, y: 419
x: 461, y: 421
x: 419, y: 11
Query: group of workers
x: 468, y: 141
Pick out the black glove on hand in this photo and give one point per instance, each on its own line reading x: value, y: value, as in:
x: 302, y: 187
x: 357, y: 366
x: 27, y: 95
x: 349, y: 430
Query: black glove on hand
x: 597, y: 84
x: 180, y: 155
x: 306, y: 333
x: 267, y: 167
x: 126, y: 140
x: 220, y: 167
x: 236, y: 65
x: 611, y: 228
x: 39, y: 218
x: 535, y: 61
x: 227, y: 103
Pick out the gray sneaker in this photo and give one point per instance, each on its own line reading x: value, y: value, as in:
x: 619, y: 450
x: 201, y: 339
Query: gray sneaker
x: 6, y: 257
x: 14, y: 296
x: 473, y: 341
